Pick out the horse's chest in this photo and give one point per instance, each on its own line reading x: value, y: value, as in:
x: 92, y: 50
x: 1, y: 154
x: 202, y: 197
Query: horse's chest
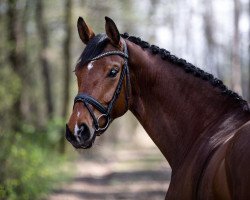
x: 194, y: 180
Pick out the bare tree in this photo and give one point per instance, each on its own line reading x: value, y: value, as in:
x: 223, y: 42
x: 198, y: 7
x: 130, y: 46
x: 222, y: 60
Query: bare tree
x: 249, y: 55
x: 210, y: 53
x: 67, y: 56
x: 236, y: 66
x: 43, y: 34
x: 67, y: 65
x: 16, y: 55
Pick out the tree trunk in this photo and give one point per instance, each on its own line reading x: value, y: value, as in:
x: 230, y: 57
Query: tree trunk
x: 67, y: 65
x: 249, y: 55
x: 15, y: 56
x: 236, y: 66
x: 209, y: 37
x: 43, y: 34
x: 67, y: 56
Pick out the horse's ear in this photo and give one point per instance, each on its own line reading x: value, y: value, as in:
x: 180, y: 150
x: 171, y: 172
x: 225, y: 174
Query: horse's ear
x: 85, y: 32
x: 112, y: 32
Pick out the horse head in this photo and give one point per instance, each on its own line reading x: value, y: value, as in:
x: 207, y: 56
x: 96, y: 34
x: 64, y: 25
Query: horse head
x: 103, y: 84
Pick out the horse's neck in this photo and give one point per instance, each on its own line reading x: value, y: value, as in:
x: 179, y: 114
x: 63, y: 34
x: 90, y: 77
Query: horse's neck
x: 174, y: 107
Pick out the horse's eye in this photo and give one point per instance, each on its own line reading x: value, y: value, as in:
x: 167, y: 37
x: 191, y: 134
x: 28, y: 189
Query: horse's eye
x: 113, y: 72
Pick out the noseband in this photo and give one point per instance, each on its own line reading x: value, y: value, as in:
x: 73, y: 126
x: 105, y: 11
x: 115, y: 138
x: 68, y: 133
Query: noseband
x: 106, y: 111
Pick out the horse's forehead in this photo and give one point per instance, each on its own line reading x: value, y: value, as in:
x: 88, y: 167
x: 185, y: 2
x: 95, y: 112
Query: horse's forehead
x: 95, y: 46
x: 101, y: 63
x: 91, y: 70
x: 90, y: 65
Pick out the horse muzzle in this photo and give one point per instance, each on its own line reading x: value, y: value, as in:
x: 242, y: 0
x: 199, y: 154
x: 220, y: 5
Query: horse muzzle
x: 82, y: 138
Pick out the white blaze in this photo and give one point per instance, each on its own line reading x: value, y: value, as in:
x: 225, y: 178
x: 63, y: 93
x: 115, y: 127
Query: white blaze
x: 90, y: 65
x: 75, y: 132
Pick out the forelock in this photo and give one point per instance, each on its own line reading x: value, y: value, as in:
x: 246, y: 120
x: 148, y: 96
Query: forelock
x: 94, y: 47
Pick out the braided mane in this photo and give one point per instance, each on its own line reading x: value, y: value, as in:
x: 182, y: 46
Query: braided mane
x: 189, y: 68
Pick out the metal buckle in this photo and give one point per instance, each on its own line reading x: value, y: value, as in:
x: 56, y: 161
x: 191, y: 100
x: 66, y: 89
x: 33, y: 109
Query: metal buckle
x: 106, y: 118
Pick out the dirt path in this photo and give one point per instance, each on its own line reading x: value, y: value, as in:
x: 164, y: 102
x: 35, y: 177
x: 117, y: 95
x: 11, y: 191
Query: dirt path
x: 130, y: 174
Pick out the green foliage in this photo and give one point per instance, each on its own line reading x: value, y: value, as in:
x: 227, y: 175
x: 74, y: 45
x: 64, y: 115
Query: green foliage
x: 9, y: 88
x: 55, y: 129
x: 32, y: 167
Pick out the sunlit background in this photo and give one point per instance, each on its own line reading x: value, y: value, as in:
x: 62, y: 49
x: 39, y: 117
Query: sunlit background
x: 39, y: 47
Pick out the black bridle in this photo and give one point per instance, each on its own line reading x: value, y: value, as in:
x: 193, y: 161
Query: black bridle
x: 106, y: 111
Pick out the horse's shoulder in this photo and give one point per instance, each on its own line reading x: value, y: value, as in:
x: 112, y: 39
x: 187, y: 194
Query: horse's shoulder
x: 237, y: 163
x: 242, y: 136
x: 226, y: 157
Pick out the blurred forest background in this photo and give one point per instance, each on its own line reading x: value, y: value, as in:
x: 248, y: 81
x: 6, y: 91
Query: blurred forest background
x: 39, y: 47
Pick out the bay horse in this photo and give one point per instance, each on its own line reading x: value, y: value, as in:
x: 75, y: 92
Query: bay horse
x: 200, y: 126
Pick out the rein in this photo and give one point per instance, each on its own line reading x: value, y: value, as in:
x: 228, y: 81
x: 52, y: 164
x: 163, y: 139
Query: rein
x: 106, y: 111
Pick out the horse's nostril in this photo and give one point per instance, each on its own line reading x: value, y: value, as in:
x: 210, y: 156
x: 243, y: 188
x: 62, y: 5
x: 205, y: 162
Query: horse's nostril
x: 83, y: 133
x: 69, y: 136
